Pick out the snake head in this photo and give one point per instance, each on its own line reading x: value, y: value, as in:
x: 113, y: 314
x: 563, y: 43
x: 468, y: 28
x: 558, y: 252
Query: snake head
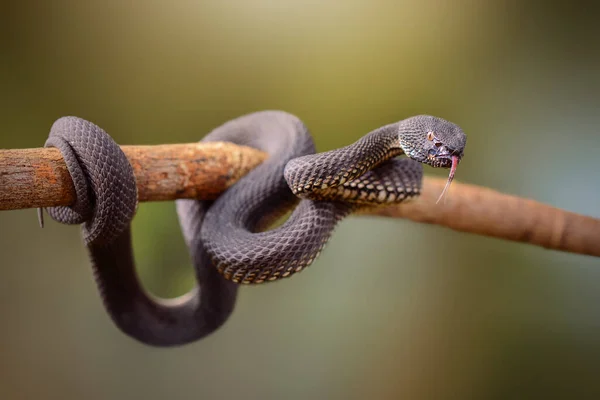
x: 432, y: 141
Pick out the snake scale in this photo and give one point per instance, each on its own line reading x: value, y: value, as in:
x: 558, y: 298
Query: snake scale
x: 228, y: 239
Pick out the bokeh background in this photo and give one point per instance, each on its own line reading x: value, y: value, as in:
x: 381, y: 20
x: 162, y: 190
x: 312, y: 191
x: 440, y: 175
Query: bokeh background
x: 392, y: 309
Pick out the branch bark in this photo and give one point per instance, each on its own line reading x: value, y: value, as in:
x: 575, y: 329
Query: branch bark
x: 483, y: 211
x: 32, y: 178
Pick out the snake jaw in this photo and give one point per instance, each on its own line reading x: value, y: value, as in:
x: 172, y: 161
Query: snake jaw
x: 442, y: 157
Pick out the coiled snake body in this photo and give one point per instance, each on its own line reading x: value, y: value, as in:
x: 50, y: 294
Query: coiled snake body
x: 226, y: 238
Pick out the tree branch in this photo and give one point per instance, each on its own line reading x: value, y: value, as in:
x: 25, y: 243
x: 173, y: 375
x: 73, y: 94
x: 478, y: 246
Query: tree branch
x: 32, y: 178
x: 483, y: 211
x: 39, y: 178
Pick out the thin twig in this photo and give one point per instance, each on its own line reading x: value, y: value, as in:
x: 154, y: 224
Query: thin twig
x: 38, y: 178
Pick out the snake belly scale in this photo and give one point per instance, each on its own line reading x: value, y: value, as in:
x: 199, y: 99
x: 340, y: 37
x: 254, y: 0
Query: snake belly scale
x: 228, y: 239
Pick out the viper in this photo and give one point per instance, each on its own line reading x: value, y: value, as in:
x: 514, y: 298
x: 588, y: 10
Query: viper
x: 229, y: 239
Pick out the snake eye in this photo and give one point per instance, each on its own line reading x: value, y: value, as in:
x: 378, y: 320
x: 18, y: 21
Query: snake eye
x: 430, y: 136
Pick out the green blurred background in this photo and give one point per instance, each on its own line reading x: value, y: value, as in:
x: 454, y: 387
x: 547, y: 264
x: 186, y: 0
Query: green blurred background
x: 392, y: 309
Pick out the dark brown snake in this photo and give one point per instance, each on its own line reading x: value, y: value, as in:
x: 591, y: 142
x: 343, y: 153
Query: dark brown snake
x: 226, y: 238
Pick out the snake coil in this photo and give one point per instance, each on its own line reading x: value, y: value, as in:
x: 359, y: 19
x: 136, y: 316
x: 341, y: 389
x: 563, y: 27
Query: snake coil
x: 227, y: 238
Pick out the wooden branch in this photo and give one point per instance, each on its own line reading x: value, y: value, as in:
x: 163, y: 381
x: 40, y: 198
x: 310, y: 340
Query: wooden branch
x: 483, y: 211
x: 33, y: 178
x: 38, y: 178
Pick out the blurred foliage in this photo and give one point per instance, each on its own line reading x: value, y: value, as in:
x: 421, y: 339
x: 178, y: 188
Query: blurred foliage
x: 391, y: 309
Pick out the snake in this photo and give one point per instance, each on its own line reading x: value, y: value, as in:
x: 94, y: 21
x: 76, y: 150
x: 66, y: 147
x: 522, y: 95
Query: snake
x: 232, y: 240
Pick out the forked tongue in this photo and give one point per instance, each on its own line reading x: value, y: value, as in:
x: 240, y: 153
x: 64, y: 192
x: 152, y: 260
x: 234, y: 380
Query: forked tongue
x: 450, y: 178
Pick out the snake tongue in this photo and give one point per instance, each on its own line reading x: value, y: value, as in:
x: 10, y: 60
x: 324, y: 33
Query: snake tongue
x: 450, y: 178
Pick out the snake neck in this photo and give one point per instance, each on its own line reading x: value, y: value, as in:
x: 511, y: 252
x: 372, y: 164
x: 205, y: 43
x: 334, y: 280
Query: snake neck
x: 388, y: 142
x: 317, y: 172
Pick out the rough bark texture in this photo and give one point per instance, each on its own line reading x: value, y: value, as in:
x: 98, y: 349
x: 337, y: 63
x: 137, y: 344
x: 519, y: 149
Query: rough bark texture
x: 32, y: 178
x: 38, y: 178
